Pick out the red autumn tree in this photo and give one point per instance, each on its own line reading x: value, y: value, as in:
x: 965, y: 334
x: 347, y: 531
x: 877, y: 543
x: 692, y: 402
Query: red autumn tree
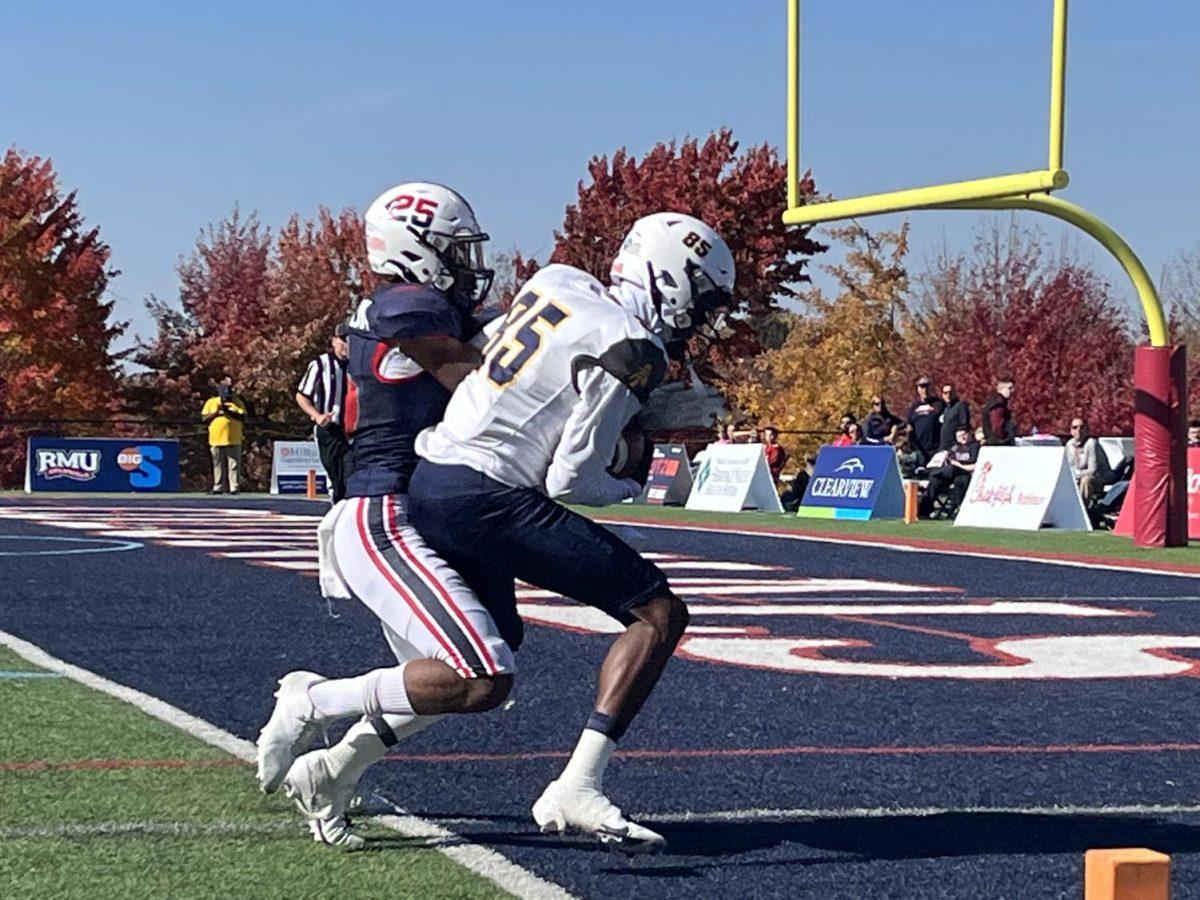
x: 1011, y: 307
x: 318, y: 270
x: 56, y: 333
x: 741, y: 195
x: 221, y: 308
x: 256, y: 308
x: 1181, y: 297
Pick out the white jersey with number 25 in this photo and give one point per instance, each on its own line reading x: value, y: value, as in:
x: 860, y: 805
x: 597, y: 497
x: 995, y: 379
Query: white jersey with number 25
x: 561, y: 377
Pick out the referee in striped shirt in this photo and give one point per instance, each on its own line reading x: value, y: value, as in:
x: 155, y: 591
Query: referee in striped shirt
x: 320, y: 395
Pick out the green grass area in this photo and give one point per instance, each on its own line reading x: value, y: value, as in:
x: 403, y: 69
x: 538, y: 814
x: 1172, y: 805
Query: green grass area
x: 1100, y: 544
x: 192, y: 825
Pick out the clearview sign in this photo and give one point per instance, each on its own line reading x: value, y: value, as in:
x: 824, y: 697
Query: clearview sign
x: 857, y: 482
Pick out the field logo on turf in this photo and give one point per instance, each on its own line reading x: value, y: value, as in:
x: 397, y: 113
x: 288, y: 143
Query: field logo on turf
x: 78, y: 465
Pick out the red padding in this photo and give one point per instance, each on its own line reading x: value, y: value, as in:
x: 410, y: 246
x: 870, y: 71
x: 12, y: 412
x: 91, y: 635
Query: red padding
x: 1160, y: 447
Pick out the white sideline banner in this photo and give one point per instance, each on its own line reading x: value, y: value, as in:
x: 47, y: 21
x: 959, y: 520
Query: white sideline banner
x: 290, y: 465
x: 1024, y: 488
x: 734, y: 477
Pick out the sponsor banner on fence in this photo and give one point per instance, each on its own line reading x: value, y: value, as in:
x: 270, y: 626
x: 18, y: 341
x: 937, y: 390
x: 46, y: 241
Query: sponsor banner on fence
x: 856, y: 482
x: 101, y: 464
x: 291, y: 462
x: 670, y: 480
x: 1025, y: 488
x: 733, y: 477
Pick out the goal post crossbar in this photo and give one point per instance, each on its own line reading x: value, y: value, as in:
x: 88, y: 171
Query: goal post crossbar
x: 1026, y: 190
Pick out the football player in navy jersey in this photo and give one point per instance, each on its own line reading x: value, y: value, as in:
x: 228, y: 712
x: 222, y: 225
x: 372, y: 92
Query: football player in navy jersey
x: 409, y: 346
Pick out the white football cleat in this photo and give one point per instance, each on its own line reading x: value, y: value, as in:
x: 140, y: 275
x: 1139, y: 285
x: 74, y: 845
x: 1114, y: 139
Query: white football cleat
x: 323, y: 800
x: 289, y: 731
x: 336, y: 833
x: 564, y: 808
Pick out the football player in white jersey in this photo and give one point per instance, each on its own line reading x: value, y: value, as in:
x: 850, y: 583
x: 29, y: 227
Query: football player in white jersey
x: 538, y: 422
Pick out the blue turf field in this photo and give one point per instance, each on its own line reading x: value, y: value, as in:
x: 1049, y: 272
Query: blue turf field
x: 843, y: 770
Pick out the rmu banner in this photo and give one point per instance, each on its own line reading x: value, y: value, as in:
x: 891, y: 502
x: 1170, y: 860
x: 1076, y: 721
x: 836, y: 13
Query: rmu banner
x: 102, y: 464
x: 857, y: 482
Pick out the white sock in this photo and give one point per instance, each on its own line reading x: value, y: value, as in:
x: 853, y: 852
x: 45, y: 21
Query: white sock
x: 587, y: 764
x: 363, y: 746
x: 378, y: 692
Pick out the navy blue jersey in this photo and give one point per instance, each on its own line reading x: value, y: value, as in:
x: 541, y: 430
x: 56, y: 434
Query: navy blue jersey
x: 389, y: 398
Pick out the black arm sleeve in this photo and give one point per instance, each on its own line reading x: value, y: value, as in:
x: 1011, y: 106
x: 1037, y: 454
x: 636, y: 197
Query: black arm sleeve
x: 637, y: 363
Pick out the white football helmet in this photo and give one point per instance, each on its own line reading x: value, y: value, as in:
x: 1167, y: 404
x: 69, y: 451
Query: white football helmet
x: 425, y: 233
x: 683, y: 263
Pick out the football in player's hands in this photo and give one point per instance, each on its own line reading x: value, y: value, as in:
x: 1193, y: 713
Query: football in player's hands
x: 633, y: 455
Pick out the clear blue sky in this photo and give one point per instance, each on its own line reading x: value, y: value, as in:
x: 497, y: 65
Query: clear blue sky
x: 164, y: 115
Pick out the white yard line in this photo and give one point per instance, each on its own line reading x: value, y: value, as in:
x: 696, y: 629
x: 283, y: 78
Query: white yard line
x: 888, y: 812
x: 1003, y: 555
x: 175, y: 829
x: 481, y: 860
x: 310, y: 555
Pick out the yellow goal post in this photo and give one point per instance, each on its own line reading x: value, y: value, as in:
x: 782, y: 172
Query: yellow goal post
x: 1024, y: 190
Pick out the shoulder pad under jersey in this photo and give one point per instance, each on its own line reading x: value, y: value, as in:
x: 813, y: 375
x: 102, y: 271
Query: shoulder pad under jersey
x: 397, y: 311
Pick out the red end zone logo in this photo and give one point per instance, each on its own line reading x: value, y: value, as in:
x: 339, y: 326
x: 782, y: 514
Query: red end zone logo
x: 761, y: 623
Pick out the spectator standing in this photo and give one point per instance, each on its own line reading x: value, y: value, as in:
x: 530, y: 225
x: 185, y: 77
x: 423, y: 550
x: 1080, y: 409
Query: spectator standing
x: 320, y: 395
x: 1089, y: 463
x: 998, y: 426
x: 923, y: 418
x: 224, y: 415
x: 953, y: 477
x: 879, y: 422
x: 955, y: 415
x: 774, y: 452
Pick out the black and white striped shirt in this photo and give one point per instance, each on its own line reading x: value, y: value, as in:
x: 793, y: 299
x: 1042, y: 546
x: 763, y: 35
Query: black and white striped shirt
x: 324, y: 383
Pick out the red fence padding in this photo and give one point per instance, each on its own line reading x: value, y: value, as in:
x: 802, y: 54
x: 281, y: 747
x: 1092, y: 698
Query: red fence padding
x: 1160, y: 447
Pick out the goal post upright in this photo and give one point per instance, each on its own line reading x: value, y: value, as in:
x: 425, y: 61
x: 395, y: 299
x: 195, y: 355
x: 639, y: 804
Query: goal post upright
x: 1160, y: 396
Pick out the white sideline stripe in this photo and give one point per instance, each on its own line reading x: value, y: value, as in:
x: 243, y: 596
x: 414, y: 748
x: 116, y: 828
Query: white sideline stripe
x: 887, y: 812
x: 1005, y: 556
x: 481, y: 860
x: 112, y: 829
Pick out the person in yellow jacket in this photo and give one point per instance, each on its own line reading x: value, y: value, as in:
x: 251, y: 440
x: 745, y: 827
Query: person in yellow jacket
x: 224, y: 414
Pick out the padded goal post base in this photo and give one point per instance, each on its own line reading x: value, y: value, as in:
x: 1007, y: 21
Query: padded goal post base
x: 1160, y: 447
